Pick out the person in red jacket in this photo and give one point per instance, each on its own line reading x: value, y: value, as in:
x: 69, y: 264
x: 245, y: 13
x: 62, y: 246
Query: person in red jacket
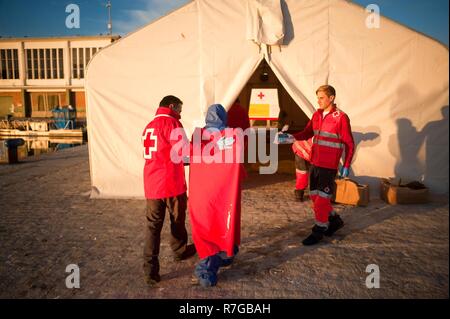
x: 332, y: 134
x: 238, y: 116
x: 165, y: 187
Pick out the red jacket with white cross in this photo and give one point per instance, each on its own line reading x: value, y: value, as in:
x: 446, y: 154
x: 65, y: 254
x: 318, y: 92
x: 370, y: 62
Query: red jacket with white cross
x: 163, y: 177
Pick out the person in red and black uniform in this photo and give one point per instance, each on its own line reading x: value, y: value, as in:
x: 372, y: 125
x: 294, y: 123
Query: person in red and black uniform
x: 165, y: 187
x: 332, y: 134
x: 238, y: 116
x: 302, y: 152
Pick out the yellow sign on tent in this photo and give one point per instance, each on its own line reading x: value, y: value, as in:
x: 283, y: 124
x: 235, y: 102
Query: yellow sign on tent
x: 264, y: 104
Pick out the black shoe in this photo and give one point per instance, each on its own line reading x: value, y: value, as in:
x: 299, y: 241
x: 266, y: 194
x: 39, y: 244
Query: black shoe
x: 299, y: 193
x: 152, y: 279
x: 335, y: 223
x: 315, y: 237
x: 151, y: 271
x: 187, y: 253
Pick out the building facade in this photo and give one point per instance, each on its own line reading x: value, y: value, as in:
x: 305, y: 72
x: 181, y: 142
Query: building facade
x: 40, y: 74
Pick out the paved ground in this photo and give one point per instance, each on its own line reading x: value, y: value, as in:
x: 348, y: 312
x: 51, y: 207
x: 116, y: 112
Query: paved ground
x: 47, y: 222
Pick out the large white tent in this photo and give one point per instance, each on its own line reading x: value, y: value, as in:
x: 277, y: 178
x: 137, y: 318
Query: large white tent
x: 390, y: 80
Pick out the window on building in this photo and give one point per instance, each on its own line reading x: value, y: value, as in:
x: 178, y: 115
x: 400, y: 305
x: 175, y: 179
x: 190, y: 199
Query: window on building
x: 48, y: 66
x: 74, y: 63
x: 81, y: 62
x: 44, y: 64
x: 9, y: 64
x: 54, y: 68
x: 80, y: 59
x: 5, y: 105
x: 16, y: 63
x: 41, y: 64
x: 29, y: 65
x: 52, y: 101
x: 35, y: 64
x: 42, y: 103
x: 3, y: 64
x: 88, y: 55
x: 61, y: 63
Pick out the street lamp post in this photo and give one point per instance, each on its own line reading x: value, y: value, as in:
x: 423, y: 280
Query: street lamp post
x: 108, y: 5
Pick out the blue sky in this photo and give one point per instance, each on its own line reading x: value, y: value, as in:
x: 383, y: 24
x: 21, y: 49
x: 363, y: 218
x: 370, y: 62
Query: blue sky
x: 41, y: 18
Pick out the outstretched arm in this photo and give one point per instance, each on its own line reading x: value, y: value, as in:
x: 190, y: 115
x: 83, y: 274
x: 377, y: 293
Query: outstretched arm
x: 307, y: 133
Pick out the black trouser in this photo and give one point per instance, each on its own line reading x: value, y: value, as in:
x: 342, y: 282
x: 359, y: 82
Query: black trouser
x: 321, y: 190
x: 155, y: 213
x: 322, y: 179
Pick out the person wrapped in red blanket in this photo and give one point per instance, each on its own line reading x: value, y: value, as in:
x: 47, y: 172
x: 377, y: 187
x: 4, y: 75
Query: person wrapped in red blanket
x: 216, y: 173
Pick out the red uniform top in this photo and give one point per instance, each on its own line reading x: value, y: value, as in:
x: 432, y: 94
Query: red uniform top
x: 238, y: 117
x: 163, y: 177
x: 332, y: 134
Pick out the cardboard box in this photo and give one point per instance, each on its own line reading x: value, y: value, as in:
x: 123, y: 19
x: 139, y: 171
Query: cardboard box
x: 393, y: 192
x: 350, y: 192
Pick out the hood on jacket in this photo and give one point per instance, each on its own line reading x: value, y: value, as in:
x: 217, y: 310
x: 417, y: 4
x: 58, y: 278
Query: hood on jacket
x: 216, y: 117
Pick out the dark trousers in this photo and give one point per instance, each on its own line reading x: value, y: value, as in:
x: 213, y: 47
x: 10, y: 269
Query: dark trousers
x: 301, y: 164
x: 321, y: 190
x: 155, y: 213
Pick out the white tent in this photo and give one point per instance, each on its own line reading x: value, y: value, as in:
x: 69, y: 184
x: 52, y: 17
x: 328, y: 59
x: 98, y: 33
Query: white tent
x: 391, y: 81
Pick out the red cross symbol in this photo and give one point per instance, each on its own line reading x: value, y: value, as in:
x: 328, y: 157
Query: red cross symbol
x: 261, y: 95
x: 148, y: 140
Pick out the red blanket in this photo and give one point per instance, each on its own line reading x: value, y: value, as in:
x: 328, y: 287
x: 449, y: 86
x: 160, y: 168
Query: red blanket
x: 215, y: 197
x: 303, y: 149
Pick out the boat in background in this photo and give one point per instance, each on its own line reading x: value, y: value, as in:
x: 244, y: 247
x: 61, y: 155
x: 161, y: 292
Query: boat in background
x: 61, y: 125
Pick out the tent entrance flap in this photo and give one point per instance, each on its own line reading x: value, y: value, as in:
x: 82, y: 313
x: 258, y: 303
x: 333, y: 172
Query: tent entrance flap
x: 289, y: 111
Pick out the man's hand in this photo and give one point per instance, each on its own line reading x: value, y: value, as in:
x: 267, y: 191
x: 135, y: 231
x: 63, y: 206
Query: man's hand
x: 284, y: 138
x: 344, y: 172
x: 285, y: 128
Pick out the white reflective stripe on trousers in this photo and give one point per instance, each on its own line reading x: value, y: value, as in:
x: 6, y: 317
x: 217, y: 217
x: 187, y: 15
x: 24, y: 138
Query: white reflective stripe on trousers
x: 320, y: 193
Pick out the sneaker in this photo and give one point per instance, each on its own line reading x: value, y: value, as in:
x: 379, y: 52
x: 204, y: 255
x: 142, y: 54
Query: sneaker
x: 187, y: 253
x: 299, y: 194
x: 335, y: 223
x: 206, y: 271
x: 152, y: 279
x: 315, y: 237
x: 225, y: 260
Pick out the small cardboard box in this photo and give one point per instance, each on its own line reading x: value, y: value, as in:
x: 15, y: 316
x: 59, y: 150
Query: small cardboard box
x: 393, y: 192
x: 350, y: 192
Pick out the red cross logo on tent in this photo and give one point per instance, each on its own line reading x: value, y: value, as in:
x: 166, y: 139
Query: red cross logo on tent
x: 261, y: 95
x: 148, y: 140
